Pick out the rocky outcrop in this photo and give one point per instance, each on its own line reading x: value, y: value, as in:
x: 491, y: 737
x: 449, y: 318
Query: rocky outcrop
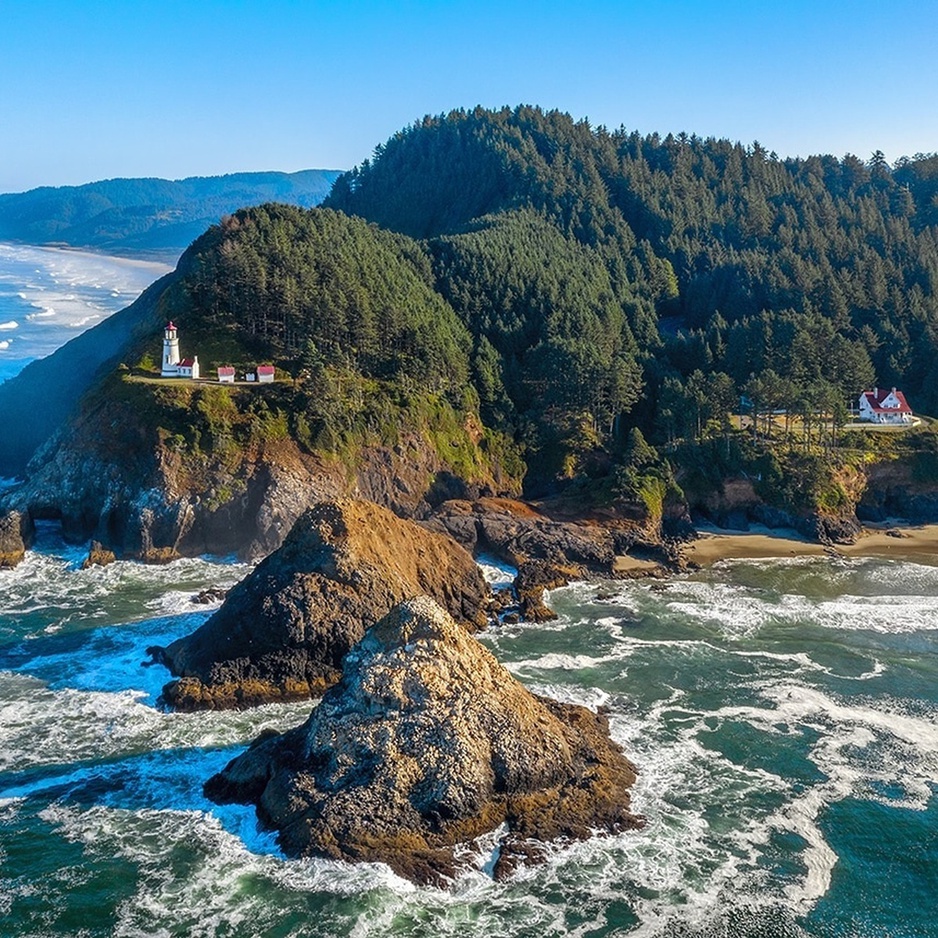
x: 98, y: 556
x: 735, y: 505
x: 896, y: 490
x: 283, y: 631
x: 16, y: 534
x: 104, y: 478
x: 112, y: 474
x: 519, y: 533
x: 550, y: 551
x: 425, y: 744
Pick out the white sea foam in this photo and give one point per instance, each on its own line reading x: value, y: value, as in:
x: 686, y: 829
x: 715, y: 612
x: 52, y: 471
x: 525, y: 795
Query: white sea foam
x: 903, y: 754
x: 123, y: 779
x: 497, y: 573
x: 65, y: 291
x: 739, y: 613
x: 562, y: 662
x: 53, y: 581
x: 42, y: 727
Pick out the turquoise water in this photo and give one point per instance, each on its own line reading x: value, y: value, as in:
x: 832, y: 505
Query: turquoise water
x: 782, y: 716
x: 48, y: 296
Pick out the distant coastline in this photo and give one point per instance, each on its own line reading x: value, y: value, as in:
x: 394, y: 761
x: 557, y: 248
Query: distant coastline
x: 52, y: 292
x: 165, y: 260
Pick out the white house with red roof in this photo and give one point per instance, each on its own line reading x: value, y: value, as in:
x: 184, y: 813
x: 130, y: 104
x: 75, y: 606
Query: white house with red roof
x: 265, y: 374
x: 882, y: 406
x: 226, y: 374
x: 189, y: 368
x: 174, y: 366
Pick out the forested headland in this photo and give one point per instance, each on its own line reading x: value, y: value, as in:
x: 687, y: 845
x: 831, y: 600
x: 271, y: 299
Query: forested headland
x: 614, y: 281
x: 590, y: 307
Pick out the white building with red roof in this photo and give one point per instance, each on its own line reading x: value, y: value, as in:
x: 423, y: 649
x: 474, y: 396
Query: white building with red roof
x: 882, y: 406
x: 265, y: 374
x: 226, y: 374
x: 189, y: 368
x: 174, y: 366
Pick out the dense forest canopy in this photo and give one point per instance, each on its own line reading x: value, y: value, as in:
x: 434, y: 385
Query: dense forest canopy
x: 318, y: 286
x: 696, y: 263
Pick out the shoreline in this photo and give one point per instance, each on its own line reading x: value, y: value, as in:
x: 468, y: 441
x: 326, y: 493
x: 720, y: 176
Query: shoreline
x: 896, y: 541
x: 164, y: 260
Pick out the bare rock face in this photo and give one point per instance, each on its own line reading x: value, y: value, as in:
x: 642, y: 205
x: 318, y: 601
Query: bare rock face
x: 425, y: 744
x: 283, y: 631
x: 98, y: 556
x: 16, y: 534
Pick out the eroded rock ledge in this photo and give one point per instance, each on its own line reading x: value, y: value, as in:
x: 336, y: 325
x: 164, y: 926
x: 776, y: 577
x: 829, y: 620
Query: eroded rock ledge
x: 425, y: 744
x: 282, y: 632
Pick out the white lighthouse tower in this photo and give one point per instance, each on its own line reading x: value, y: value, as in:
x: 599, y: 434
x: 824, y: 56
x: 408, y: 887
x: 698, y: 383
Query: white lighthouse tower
x: 170, y: 351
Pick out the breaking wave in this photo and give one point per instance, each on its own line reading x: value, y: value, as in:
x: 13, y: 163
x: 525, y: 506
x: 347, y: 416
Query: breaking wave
x: 754, y: 704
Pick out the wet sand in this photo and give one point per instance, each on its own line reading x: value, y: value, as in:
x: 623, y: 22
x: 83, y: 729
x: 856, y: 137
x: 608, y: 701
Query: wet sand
x: 760, y: 543
x: 625, y: 566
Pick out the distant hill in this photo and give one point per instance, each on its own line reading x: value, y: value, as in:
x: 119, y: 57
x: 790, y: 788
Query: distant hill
x: 138, y: 215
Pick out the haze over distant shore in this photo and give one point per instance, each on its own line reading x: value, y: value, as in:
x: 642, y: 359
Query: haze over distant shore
x: 49, y: 295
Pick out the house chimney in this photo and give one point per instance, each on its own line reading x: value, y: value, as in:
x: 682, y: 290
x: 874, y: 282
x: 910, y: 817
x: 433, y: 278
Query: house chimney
x: 893, y: 390
x: 875, y: 391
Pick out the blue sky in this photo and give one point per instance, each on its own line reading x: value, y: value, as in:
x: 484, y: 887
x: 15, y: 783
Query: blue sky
x: 91, y: 90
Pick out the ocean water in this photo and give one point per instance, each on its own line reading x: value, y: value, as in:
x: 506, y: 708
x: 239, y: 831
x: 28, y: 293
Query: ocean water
x: 783, y: 716
x: 49, y: 295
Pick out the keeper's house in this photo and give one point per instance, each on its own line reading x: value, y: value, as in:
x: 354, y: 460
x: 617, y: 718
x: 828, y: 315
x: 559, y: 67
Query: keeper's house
x: 882, y: 406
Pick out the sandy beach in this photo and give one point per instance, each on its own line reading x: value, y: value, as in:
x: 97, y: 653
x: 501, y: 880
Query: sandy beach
x: 51, y: 294
x: 760, y: 543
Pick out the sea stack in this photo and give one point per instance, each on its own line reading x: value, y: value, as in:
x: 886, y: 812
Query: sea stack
x: 283, y: 631
x: 16, y: 534
x: 425, y: 744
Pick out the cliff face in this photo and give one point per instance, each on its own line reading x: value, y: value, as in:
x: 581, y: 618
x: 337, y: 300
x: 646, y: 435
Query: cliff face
x: 899, y: 490
x: 283, y: 631
x: 155, y: 470
x: 892, y: 486
x: 107, y: 478
x: 426, y: 743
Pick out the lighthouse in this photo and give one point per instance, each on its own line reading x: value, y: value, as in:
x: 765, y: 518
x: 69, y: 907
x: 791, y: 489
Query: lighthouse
x: 170, y: 351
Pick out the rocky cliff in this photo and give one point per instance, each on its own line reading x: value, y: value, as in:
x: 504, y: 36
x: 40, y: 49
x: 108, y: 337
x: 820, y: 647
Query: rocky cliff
x: 155, y: 470
x: 425, y: 744
x: 553, y: 544
x: 283, y: 631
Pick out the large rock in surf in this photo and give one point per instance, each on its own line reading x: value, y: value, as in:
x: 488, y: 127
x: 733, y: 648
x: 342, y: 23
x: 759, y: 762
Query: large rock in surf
x: 16, y: 534
x: 283, y: 631
x: 425, y: 744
